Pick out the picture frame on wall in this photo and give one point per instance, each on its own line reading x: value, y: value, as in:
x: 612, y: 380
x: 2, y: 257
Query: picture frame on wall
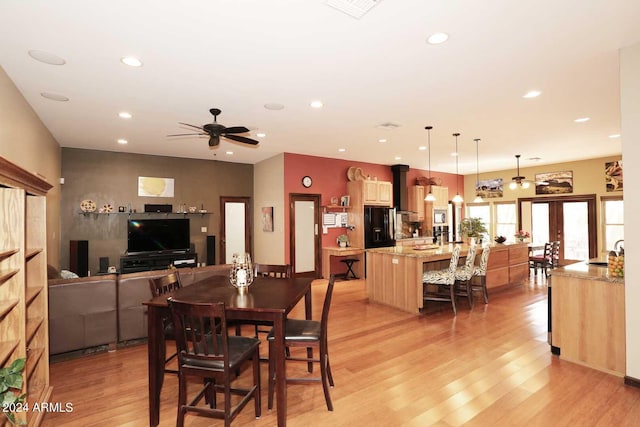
x: 554, y: 182
x: 490, y: 188
x: 267, y: 218
x: 613, y: 175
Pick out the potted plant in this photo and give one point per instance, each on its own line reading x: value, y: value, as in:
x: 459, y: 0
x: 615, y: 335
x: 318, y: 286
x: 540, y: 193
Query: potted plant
x: 472, y: 228
x: 343, y: 240
x: 11, y: 379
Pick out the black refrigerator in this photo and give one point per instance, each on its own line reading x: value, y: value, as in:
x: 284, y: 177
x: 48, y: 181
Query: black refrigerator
x: 379, y: 226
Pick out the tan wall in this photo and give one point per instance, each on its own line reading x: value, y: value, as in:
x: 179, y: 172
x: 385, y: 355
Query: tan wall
x: 25, y: 141
x: 112, y: 178
x: 630, y: 109
x: 268, y: 188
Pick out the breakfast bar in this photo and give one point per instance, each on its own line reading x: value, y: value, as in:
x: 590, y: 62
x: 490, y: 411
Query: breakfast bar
x: 394, y: 274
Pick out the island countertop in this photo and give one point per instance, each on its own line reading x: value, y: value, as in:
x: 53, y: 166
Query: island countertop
x: 584, y: 270
x: 430, y: 251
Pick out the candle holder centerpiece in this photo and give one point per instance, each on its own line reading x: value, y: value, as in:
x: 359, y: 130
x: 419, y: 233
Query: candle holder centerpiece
x: 241, y: 275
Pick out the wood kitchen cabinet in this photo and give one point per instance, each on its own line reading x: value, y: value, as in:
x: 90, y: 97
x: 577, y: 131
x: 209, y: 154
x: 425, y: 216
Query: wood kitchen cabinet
x: 416, y: 202
x: 377, y: 193
x: 23, y: 282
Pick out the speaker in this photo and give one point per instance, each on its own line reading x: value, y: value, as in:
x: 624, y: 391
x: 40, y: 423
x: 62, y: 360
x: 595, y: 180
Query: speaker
x: 158, y: 208
x: 104, y: 264
x: 211, y: 250
x: 79, y: 257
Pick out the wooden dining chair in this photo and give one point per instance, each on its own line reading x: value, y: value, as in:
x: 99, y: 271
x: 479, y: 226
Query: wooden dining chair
x: 555, y: 254
x: 480, y: 271
x: 463, y: 275
x: 439, y: 285
x: 160, y: 286
x: 214, y: 358
x: 543, y: 261
x: 309, y: 334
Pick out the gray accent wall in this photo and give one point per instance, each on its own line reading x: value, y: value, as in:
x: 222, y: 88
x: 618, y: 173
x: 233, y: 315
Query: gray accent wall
x: 112, y: 178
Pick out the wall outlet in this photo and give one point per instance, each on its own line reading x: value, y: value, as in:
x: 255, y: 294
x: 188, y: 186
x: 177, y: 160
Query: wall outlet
x: 394, y: 260
x: 203, y: 229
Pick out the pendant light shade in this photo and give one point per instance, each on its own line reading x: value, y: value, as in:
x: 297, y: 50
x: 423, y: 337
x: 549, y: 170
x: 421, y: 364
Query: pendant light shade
x: 430, y: 197
x: 457, y: 199
x: 478, y: 198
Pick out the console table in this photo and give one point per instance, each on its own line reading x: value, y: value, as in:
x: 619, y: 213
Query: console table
x: 147, y: 262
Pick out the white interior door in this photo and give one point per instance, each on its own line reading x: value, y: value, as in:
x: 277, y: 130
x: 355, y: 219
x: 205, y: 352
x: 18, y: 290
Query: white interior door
x: 234, y: 229
x: 304, y: 233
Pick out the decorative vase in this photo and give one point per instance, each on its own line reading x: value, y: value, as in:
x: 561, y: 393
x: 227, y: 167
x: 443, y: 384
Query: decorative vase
x: 343, y: 244
x: 241, y: 274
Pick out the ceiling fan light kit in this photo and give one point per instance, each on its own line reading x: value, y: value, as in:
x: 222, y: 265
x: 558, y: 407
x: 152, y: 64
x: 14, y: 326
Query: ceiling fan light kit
x: 518, y: 180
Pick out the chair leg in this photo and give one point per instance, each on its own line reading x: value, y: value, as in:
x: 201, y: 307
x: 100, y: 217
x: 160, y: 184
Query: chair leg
x: 469, y: 293
x: 483, y: 281
x: 452, y: 291
x: 182, y: 400
x: 324, y: 362
x: 271, y: 383
x: 310, y: 357
x: 256, y: 382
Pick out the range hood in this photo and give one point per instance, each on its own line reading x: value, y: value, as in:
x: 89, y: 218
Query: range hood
x: 400, y: 197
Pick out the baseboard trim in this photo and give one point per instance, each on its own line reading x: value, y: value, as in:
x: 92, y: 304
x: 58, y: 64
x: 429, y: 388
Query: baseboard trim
x: 633, y: 382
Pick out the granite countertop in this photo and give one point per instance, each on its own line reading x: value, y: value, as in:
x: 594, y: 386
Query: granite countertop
x: 584, y: 270
x: 436, y: 252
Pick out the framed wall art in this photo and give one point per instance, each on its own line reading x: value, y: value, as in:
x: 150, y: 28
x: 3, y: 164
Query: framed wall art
x: 267, y: 218
x: 613, y: 175
x: 490, y: 188
x: 554, y: 182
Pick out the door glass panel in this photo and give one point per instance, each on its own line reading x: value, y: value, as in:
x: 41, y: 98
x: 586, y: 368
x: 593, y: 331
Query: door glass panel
x: 614, y: 222
x: 234, y: 229
x: 576, y: 230
x: 506, y: 220
x: 304, y: 236
x: 540, y: 224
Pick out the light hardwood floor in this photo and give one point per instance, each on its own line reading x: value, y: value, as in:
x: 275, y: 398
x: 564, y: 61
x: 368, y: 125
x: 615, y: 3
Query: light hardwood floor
x: 490, y: 366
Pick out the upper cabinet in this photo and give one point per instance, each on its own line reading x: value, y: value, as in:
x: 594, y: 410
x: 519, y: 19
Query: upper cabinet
x: 442, y: 197
x: 377, y: 193
x: 23, y: 282
x: 416, y: 202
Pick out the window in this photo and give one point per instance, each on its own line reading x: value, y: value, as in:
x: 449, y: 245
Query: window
x: 613, y: 221
x: 506, y: 220
x: 482, y: 211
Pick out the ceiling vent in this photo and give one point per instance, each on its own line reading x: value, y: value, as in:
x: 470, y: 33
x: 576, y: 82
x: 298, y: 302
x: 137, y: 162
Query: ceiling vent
x: 354, y: 8
x: 388, y: 126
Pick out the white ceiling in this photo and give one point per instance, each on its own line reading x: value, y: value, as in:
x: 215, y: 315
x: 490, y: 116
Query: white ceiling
x: 238, y: 55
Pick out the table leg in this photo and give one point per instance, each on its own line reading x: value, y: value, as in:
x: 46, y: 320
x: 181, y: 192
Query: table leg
x: 281, y: 374
x: 156, y: 362
x: 307, y: 314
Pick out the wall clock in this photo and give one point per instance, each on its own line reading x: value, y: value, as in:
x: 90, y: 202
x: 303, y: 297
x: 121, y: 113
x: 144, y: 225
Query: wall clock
x: 306, y: 181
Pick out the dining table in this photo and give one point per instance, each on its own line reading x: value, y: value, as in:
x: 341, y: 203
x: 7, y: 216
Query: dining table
x: 267, y: 299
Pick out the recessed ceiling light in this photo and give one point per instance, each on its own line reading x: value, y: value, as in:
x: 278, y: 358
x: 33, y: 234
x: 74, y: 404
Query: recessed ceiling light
x: 273, y: 106
x: 229, y: 153
x: 422, y: 148
x: 122, y: 141
x: 382, y: 140
x: 46, y: 57
x: 534, y: 159
x: 54, y: 96
x: 398, y: 158
x: 131, y: 61
x: 582, y: 120
x: 532, y: 94
x: 437, y: 38
x: 342, y: 150
x: 261, y: 135
x: 124, y: 115
x: 615, y: 135
x: 316, y: 104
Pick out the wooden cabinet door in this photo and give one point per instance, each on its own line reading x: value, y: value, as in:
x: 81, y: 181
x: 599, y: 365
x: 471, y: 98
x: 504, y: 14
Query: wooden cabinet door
x: 385, y: 193
x: 416, y: 202
x: 442, y: 197
x: 370, y: 192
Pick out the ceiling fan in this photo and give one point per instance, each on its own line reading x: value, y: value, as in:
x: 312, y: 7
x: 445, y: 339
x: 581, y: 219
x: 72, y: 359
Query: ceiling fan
x: 216, y: 130
x: 521, y: 181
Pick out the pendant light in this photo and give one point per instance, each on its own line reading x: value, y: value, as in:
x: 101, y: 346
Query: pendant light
x: 478, y: 199
x: 457, y: 199
x: 430, y: 197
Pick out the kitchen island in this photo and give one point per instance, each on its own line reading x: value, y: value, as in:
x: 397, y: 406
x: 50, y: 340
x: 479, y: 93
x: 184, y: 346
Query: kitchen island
x: 394, y: 274
x: 587, y: 317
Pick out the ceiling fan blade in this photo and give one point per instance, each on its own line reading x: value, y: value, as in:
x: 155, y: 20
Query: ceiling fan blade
x: 236, y: 129
x: 193, y: 126
x: 187, y: 134
x: 242, y: 139
x: 214, y: 141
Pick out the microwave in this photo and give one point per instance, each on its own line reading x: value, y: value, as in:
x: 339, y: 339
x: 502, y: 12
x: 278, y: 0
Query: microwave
x: 439, y: 216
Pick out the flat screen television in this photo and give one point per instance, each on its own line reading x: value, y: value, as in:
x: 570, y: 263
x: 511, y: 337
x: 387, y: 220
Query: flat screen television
x: 158, y: 235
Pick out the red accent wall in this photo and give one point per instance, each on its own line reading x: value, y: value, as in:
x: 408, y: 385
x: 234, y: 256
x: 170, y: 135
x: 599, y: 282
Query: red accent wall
x: 330, y: 180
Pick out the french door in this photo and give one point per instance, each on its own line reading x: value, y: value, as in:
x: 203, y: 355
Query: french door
x: 305, y: 243
x: 571, y: 220
x: 235, y: 227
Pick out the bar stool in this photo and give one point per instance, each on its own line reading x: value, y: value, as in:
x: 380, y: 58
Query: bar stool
x: 349, y: 262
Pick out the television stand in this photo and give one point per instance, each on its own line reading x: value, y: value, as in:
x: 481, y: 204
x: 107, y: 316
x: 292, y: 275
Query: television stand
x: 147, y: 262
